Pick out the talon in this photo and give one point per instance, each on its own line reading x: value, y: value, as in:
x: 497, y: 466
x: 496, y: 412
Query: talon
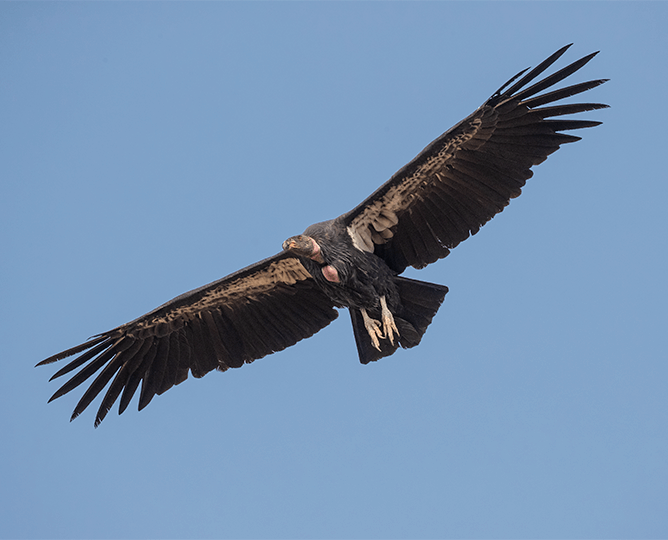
x: 389, y: 327
x: 373, y: 327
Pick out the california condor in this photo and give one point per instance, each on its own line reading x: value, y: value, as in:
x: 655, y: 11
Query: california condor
x: 453, y: 187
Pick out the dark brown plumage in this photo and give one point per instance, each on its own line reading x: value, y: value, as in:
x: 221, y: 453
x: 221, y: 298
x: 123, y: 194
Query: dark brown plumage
x: 452, y: 188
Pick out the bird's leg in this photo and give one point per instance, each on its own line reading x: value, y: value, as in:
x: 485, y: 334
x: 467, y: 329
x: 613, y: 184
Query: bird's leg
x: 388, y: 321
x: 373, y: 327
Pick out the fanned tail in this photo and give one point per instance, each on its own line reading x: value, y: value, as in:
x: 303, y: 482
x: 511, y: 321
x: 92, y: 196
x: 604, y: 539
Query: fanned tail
x: 420, y: 302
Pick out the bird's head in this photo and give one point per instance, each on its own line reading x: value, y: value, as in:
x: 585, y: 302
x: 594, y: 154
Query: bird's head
x: 303, y: 246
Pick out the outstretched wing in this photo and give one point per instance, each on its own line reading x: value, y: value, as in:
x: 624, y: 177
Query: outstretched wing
x: 261, y: 309
x: 470, y: 173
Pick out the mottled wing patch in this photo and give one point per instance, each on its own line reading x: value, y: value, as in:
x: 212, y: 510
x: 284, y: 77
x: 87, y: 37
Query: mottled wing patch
x: 376, y: 223
x: 241, y: 290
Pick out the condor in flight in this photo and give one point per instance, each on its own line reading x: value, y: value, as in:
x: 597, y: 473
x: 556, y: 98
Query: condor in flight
x: 452, y: 188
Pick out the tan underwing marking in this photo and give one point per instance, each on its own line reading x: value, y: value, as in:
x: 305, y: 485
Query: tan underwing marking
x: 373, y: 225
x: 377, y: 238
x: 286, y: 271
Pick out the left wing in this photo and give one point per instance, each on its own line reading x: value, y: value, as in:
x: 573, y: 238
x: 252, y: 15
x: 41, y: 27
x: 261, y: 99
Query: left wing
x: 470, y: 173
x: 261, y: 309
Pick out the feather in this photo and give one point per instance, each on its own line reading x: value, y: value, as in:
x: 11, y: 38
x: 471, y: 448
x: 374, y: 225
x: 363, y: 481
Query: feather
x: 139, y: 375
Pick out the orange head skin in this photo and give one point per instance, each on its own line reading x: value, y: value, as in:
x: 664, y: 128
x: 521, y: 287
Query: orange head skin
x: 304, y: 246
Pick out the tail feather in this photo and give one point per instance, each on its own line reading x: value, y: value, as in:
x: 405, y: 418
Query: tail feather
x: 420, y: 302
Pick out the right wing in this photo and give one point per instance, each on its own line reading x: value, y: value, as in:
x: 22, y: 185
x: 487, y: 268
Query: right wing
x: 261, y: 309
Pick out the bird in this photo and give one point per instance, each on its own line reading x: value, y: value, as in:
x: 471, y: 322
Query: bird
x: 444, y: 195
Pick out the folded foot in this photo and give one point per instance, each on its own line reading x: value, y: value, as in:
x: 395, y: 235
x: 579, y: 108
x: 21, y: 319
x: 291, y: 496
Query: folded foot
x: 373, y: 327
x: 389, y: 328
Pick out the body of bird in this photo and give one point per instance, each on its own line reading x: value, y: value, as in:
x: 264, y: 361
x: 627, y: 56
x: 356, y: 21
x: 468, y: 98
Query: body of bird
x: 444, y: 195
x: 349, y: 276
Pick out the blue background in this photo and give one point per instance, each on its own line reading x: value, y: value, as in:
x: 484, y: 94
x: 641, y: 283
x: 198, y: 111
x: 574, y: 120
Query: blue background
x: 149, y: 148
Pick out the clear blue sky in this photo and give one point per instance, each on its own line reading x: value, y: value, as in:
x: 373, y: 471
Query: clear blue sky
x: 150, y: 148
